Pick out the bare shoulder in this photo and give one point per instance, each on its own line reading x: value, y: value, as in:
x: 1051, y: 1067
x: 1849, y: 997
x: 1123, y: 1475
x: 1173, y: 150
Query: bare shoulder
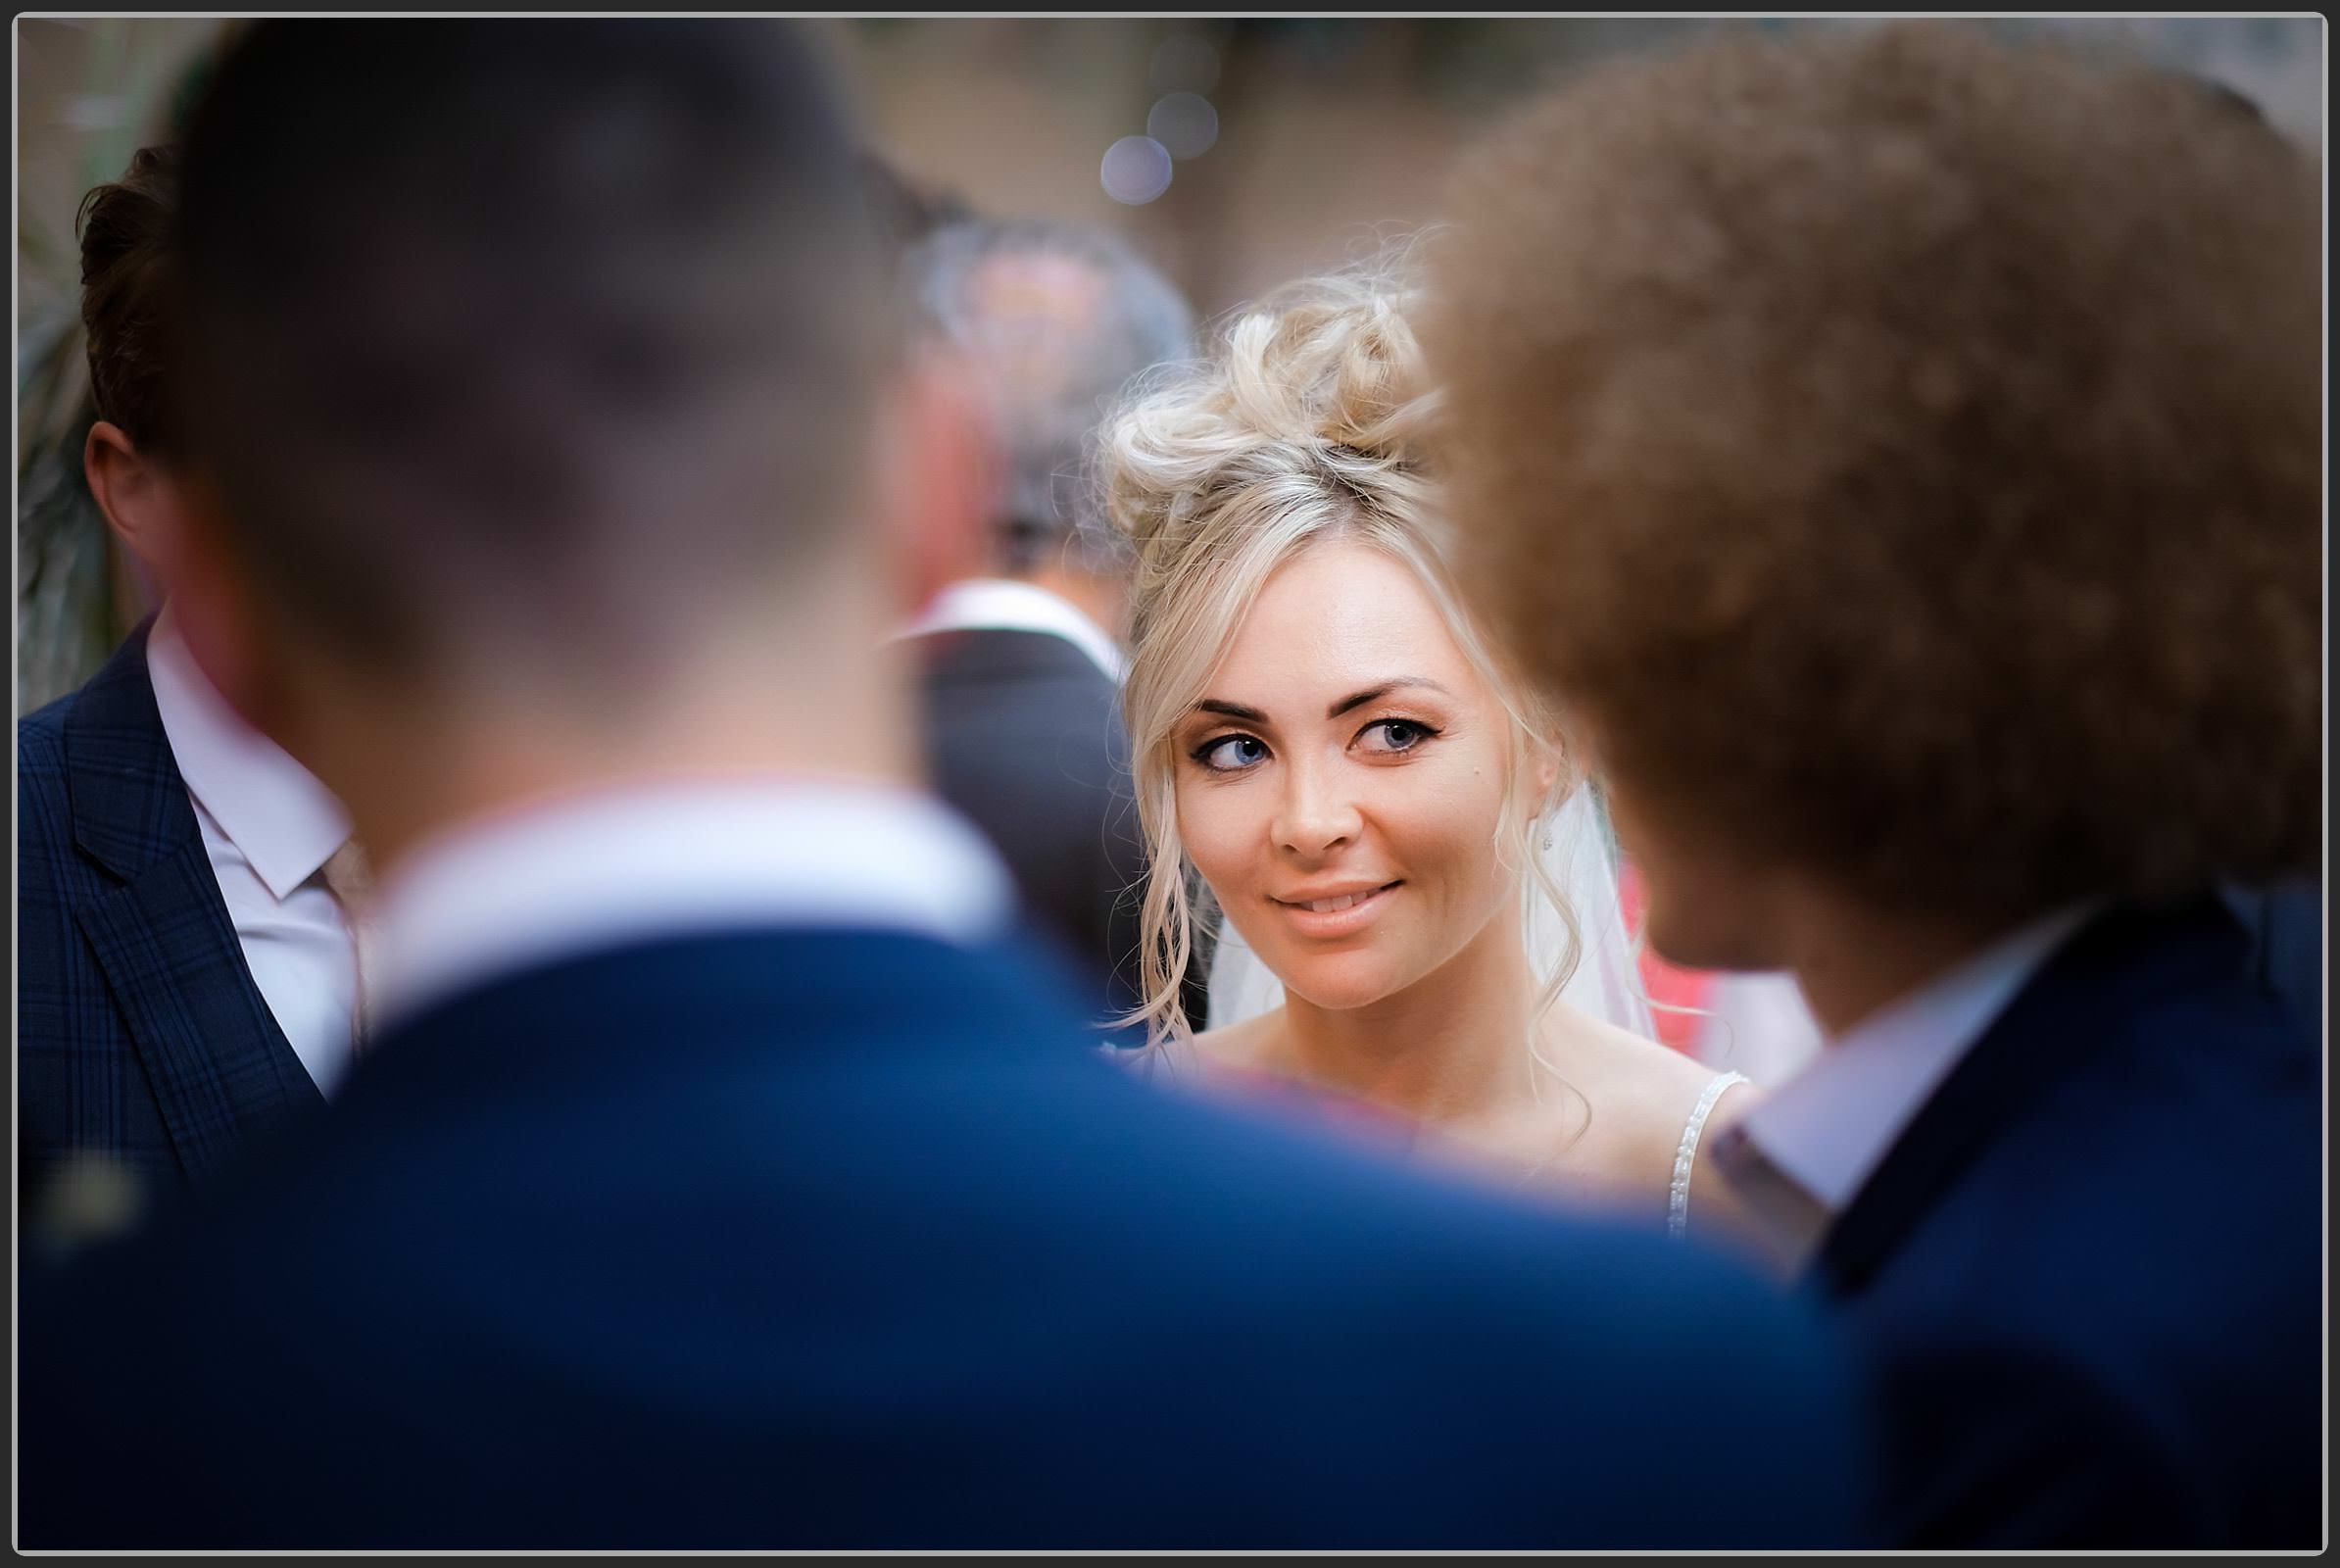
x: 1660, y: 1092
x: 1247, y: 1043
x: 1637, y: 1083
x: 1237, y: 1047
x: 1641, y: 1096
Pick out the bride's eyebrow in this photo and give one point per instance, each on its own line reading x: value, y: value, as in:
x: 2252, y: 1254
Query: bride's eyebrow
x: 1228, y: 709
x: 1372, y: 693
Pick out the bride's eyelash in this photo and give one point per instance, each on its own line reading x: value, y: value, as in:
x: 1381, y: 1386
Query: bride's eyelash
x: 1201, y: 754
x: 1425, y: 731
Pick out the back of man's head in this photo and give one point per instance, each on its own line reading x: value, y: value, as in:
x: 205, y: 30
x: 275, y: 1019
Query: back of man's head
x: 527, y: 342
x: 1057, y: 321
x: 908, y: 212
x: 124, y: 229
x: 1971, y: 382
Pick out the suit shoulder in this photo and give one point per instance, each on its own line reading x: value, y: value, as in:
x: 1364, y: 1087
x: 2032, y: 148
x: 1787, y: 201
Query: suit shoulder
x: 2214, y: 1092
x: 2151, y: 1231
x: 1686, y: 1362
x: 2201, y: 1152
x: 2090, y: 1463
x: 40, y: 739
x: 1491, y: 1269
x: 42, y: 798
x: 1503, y: 1333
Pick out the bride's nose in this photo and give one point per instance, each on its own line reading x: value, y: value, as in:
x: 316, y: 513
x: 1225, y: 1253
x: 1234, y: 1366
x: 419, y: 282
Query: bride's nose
x: 1315, y: 814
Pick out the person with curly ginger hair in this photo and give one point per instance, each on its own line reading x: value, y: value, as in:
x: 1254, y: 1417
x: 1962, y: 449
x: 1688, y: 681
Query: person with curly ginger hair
x: 1899, y: 452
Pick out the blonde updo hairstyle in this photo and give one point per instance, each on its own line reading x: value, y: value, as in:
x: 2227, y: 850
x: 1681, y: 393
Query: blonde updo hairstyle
x: 1308, y: 425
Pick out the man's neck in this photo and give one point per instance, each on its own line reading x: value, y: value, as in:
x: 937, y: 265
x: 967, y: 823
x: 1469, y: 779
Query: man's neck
x: 496, y: 781
x: 1852, y: 962
x: 1103, y: 599
x: 737, y: 719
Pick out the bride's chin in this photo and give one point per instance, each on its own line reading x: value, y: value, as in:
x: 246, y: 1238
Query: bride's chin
x: 1335, y: 992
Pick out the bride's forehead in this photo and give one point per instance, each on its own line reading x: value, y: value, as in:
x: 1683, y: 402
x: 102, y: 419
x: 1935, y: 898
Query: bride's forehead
x: 1346, y: 585
x: 1333, y: 615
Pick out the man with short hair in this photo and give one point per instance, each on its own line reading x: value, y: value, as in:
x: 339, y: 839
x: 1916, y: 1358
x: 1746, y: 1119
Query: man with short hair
x: 1024, y: 662
x: 722, y: 1172
x: 186, y: 974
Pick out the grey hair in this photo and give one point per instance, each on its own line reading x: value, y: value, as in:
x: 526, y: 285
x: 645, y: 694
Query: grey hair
x: 1053, y: 378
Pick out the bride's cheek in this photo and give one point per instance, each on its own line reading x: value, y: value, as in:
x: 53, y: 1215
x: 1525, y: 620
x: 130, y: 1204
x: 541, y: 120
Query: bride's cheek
x: 1213, y: 831
x: 1470, y: 823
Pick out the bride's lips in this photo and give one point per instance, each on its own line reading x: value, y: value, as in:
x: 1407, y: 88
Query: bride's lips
x: 1363, y: 907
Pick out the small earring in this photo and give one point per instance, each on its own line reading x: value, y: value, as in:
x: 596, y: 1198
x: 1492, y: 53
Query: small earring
x: 1548, y: 840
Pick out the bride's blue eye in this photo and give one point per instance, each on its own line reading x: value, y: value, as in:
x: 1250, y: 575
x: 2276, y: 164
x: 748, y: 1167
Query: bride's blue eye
x: 1398, y: 734
x: 1231, y: 753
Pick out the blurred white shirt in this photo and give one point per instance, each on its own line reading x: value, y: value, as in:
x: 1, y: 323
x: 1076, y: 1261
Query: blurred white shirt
x: 269, y: 827
x: 611, y: 868
x: 1001, y: 604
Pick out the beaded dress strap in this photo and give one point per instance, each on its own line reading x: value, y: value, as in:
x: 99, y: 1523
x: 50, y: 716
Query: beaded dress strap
x: 1678, y: 1196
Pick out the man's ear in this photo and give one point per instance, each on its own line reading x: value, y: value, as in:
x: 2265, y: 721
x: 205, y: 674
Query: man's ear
x: 939, y: 472
x: 140, y: 497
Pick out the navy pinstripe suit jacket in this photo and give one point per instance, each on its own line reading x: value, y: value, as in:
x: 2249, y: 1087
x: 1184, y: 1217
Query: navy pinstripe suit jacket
x: 140, y: 1033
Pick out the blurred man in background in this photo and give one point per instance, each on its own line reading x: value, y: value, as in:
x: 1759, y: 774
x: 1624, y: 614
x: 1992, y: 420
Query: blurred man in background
x: 722, y: 1173
x: 906, y: 210
x: 1024, y: 664
x: 187, y: 975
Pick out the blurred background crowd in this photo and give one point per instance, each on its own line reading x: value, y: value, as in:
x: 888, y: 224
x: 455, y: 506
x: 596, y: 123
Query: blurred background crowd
x: 1228, y: 154
x: 1281, y: 147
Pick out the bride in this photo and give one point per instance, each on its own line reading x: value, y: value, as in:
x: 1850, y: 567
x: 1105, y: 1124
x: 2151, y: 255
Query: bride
x: 1421, y: 922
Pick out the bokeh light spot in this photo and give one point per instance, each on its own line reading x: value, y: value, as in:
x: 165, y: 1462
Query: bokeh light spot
x: 1135, y: 170
x: 1185, y: 123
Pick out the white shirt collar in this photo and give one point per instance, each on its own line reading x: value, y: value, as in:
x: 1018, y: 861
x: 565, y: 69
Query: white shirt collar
x: 608, y: 869
x: 273, y: 810
x: 1000, y: 604
x: 1832, y: 1125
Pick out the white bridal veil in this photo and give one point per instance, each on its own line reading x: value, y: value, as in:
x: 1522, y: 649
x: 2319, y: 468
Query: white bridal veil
x: 1605, y: 983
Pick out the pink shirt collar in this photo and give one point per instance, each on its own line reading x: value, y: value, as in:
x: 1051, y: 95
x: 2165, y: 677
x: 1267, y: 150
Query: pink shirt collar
x: 1830, y: 1125
x: 285, y: 822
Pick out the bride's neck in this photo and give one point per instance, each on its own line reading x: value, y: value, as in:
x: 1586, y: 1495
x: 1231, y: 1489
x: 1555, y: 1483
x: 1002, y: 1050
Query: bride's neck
x: 1451, y: 1046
